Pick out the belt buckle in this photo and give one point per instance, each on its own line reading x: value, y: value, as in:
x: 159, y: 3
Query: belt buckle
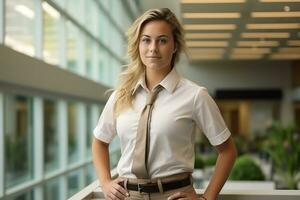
x: 140, y: 187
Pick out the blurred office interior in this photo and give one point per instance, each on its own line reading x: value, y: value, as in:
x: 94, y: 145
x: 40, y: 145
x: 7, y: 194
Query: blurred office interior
x: 58, y: 59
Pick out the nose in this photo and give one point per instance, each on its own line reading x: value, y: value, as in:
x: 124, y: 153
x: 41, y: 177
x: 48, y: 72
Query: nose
x: 153, y: 46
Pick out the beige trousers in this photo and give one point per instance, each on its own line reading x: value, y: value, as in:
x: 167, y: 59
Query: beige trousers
x: 162, y: 195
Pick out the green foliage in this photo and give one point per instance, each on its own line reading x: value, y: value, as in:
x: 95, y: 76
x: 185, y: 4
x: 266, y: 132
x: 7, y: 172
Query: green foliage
x: 246, y: 169
x: 283, y: 146
x: 199, y: 162
x: 242, y: 144
x: 211, y: 160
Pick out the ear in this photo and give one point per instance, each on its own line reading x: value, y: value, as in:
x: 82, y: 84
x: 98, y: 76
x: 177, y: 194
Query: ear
x: 175, y: 48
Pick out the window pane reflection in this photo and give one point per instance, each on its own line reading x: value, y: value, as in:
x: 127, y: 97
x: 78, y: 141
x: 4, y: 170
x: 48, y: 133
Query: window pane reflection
x: 26, y: 196
x: 91, y: 10
x: 73, y: 146
x: 18, y: 139
x: 52, y: 190
x: 74, y: 8
x: 51, y: 153
x: 51, y: 34
x: 73, y: 183
x: 19, y: 27
x: 90, y: 174
x: 89, y: 129
x: 72, y: 47
x: 88, y: 57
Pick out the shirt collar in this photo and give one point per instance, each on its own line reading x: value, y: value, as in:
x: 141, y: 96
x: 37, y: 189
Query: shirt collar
x: 169, y: 82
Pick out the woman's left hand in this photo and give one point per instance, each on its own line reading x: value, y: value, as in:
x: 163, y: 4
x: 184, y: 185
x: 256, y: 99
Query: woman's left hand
x: 183, y: 196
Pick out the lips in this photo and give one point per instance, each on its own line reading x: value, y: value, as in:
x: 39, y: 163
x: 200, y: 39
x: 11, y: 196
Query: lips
x: 153, y: 57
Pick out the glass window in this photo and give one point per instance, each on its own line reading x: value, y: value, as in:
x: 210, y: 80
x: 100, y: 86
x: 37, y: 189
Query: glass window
x: 26, y: 196
x: 72, y: 47
x: 19, y: 23
x: 73, y: 141
x: 88, y: 58
x: 90, y: 15
x: 90, y: 174
x: 89, y: 129
x: 101, y: 76
x: 104, y: 26
x: 75, y: 8
x: 52, y: 190
x: 51, y: 153
x: 60, y: 3
x: 51, y: 34
x: 73, y: 183
x: 18, y: 112
x: 105, y: 69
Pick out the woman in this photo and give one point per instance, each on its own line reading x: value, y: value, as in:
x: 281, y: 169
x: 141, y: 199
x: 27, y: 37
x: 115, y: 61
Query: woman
x: 157, y: 135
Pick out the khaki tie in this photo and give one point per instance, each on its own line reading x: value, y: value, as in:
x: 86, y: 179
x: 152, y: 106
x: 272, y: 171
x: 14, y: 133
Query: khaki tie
x: 141, y: 150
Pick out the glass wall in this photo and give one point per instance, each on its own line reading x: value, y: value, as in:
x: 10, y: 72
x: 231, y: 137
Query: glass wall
x: 51, y: 153
x: 18, y: 139
x: 74, y: 182
x: 51, y: 18
x: 52, y: 190
x: 85, y: 39
x: 72, y: 47
x: 20, y: 21
x: 73, y: 140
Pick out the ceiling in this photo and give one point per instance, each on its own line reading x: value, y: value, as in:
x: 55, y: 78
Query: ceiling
x: 239, y: 29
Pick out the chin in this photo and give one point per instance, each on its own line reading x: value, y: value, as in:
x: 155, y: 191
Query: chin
x: 154, y: 66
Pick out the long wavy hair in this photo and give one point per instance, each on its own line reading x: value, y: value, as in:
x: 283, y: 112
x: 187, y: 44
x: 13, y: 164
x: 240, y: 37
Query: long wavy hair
x: 133, y: 71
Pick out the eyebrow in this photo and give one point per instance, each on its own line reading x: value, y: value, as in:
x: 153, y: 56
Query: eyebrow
x: 157, y: 37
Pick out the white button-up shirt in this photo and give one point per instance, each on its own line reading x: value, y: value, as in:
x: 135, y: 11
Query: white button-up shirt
x: 178, y: 108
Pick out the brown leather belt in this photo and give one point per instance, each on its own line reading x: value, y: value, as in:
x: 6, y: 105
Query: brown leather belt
x: 153, y: 187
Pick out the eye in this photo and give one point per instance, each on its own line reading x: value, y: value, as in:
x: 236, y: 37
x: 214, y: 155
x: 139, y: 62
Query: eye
x: 146, y: 40
x: 163, y: 40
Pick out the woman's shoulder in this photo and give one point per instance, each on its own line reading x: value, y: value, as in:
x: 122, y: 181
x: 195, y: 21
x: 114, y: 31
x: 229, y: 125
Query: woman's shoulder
x: 192, y: 85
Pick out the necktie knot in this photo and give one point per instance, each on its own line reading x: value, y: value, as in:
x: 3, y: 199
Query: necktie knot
x: 152, y: 95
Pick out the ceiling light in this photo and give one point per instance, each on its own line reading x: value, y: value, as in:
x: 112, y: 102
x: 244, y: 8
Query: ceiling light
x: 207, y: 57
x: 245, y: 57
x: 19, y: 46
x: 258, y: 43
x: 207, y: 43
x: 266, y: 35
x: 209, y: 26
x: 211, y: 15
x: 275, y: 14
x: 50, y: 10
x: 289, y: 50
x: 206, y: 50
x: 25, y: 11
x: 293, y: 42
x: 251, y: 50
x: 286, y: 8
x: 208, y: 35
x: 210, y: 1
x: 279, y: 56
x: 274, y: 26
x: 279, y: 1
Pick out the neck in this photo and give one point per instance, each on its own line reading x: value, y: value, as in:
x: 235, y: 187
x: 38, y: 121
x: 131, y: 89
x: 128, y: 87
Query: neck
x: 153, y: 77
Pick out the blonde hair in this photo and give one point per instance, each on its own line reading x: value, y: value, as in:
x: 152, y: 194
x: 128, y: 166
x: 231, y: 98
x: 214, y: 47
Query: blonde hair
x: 133, y: 71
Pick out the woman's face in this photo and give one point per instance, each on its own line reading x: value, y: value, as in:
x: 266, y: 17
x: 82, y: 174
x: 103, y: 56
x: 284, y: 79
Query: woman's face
x: 156, y: 45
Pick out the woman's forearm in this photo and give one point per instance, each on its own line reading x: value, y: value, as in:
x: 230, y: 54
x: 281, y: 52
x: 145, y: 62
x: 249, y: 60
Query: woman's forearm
x: 101, y: 160
x: 227, y: 154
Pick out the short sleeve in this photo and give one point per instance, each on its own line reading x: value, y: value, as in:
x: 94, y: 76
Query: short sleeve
x: 209, y: 119
x: 105, y: 129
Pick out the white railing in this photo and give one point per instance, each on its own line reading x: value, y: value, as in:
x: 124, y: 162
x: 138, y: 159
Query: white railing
x: 94, y: 192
